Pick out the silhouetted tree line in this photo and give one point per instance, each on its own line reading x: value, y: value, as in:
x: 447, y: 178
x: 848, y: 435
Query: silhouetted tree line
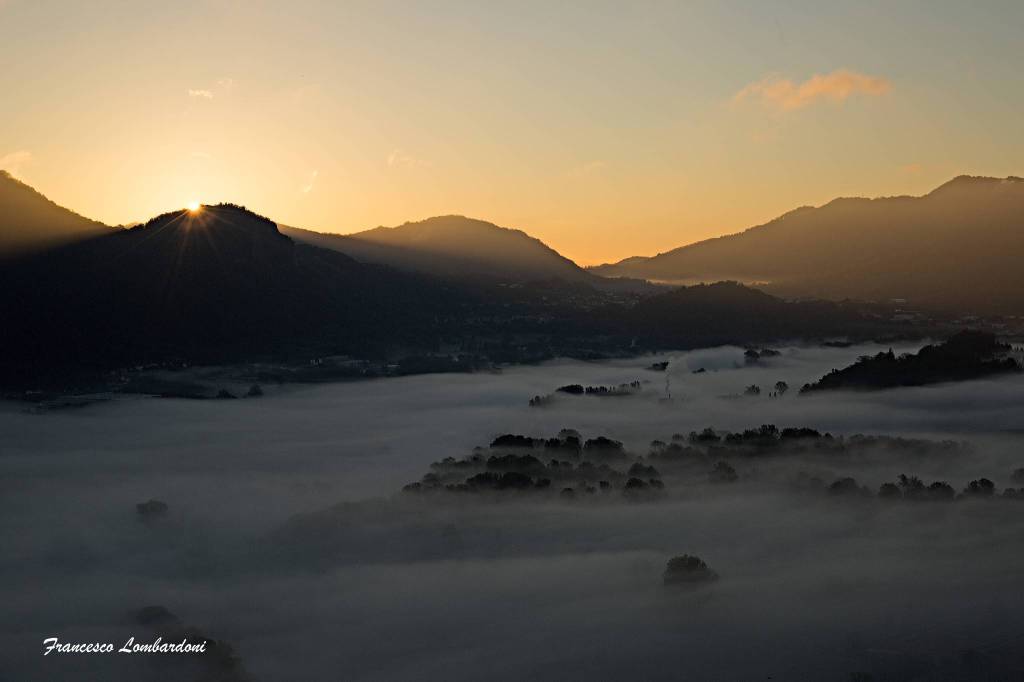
x: 571, y: 466
x: 708, y: 446
x: 965, y: 355
x: 622, y: 389
x: 631, y: 388
x: 753, y: 356
x: 911, y: 489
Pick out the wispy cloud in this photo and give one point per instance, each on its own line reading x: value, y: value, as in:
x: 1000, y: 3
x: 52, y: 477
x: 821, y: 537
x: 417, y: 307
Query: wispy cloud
x: 223, y: 87
x: 589, y: 168
x: 308, y: 187
x: 784, y: 94
x: 13, y: 162
x: 400, y: 159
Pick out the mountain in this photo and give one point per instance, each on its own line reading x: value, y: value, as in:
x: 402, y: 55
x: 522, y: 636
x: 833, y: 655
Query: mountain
x: 730, y: 313
x: 221, y: 283
x: 453, y: 247
x: 957, y: 248
x: 29, y: 221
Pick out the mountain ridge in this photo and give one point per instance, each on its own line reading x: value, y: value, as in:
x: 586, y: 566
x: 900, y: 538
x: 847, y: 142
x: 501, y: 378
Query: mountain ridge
x: 452, y: 246
x: 215, y: 284
x: 907, y: 247
x: 30, y: 221
x: 223, y: 285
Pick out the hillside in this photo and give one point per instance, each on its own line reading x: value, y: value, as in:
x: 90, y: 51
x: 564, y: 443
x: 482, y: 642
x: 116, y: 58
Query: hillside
x: 728, y: 312
x: 922, y: 249
x: 224, y: 285
x: 453, y: 246
x: 29, y: 221
x: 218, y: 284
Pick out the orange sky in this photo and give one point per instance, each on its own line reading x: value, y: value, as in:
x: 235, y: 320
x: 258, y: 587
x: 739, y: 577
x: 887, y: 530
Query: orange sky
x: 604, y: 130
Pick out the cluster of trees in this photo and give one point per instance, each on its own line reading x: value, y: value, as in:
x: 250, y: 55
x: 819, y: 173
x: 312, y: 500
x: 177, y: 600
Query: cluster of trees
x: 514, y: 462
x: 569, y: 465
x: 780, y: 389
x: 687, y: 569
x: 151, y: 510
x: 723, y: 472
x: 753, y: 356
x: 707, y: 446
x: 911, y: 488
x: 965, y: 355
x: 631, y: 388
x: 622, y: 389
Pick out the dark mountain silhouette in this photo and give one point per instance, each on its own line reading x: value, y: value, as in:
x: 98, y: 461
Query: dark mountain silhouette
x: 29, y: 221
x: 729, y: 312
x: 218, y: 284
x: 224, y: 285
x: 956, y: 248
x: 453, y: 247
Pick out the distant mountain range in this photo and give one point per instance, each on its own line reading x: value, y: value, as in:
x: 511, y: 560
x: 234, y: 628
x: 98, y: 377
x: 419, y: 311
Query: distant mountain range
x: 919, y: 251
x: 453, y: 246
x: 958, y: 248
x: 29, y: 221
x: 223, y: 285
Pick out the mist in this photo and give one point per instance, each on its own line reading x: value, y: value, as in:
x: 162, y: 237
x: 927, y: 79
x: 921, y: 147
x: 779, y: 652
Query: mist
x: 287, y: 535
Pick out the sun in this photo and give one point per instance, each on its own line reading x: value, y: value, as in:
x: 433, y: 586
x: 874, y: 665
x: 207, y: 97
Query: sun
x: 193, y: 206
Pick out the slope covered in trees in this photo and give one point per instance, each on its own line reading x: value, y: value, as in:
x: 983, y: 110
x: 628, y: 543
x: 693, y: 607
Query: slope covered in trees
x: 966, y: 355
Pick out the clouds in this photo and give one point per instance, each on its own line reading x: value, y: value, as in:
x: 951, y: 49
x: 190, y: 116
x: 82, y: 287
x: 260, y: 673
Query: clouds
x: 224, y: 86
x: 308, y: 187
x: 783, y: 94
x: 399, y: 158
x: 13, y: 162
x: 588, y: 169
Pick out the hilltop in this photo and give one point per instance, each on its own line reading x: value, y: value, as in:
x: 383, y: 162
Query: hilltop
x: 30, y: 222
x: 453, y: 247
x: 924, y: 250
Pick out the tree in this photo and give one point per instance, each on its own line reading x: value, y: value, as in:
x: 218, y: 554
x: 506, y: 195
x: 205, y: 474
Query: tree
x: 980, y: 488
x: 846, y: 486
x: 687, y: 569
x: 723, y: 473
x: 890, y: 491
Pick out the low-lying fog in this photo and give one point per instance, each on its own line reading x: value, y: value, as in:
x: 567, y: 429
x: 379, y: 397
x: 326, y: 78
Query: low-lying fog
x: 397, y: 586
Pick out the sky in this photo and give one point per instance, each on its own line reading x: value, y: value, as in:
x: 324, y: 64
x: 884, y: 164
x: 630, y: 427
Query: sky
x: 605, y: 129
